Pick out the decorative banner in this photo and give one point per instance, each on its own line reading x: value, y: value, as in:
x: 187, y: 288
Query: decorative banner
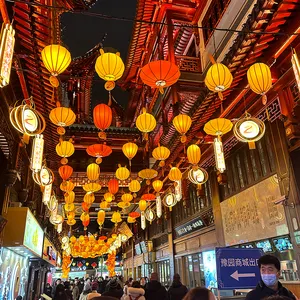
x: 124, y: 229
x: 252, y: 214
x: 47, y: 193
x: 143, y: 220
x: 219, y: 155
x: 178, y: 190
x: 37, y: 153
x: 158, y: 207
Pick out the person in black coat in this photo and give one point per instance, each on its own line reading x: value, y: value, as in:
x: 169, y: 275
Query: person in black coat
x: 177, y: 291
x: 154, y: 289
x: 114, y: 289
x: 48, y: 289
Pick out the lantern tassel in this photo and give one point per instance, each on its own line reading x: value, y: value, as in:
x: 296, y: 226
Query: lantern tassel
x: 251, y: 145
x: 109, y: 99
x: 264, y: 99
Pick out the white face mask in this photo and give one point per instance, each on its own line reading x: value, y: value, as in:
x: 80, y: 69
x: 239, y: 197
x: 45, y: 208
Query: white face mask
x: 269, y: 279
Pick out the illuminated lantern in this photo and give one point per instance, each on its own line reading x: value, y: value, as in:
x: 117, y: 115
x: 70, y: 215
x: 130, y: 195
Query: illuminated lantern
x: 130, y: 220
x: 169, y: 200
x: 113, y: 186
x: 145, y: 123
x: 65, y: 172
x: 296, y: 67
x: 197, y: 176
x: 62, y: 117
x: 130, y: 150
x: 69, y: 207
x: 99, y: 151
x: 249, y: 130
x: 219, y: 155
x: 260, y: 80
x: 134, y: 186
x: 178, y: 190
x: 116, y: 218
x: 85, y: 219
x: 158, y: 206
x: 52, y: 204
x: 104, y: 205
x: 71, y: 222
x: 67, y: 186
x: 108, y: 197
x: 69, y: 197
x: 143, y: 205
x: 218, y: 79
x: 193, y: 154
x: 89, y: 198
x: 122, y: 173
x: 56, y: 59
x: 134, y: 214
x: 148, y: 197
x: 71, y: 215
x: 160, y: 74
x: 143, y: 220
x: 123, y: 205
x: 157, y: 185
x: 93, y: 172
x: 182, y: 124
x: 161, y: 153
x: 37, y: 153
x: 47, y: 193
x: 65, y: 149
x: 102, y: 115
x: 126, y: 197
x: 85, y: 206
x: 43, y: 177
x: 100, y: 218
x: 147, y: 174
x: 175, y: 174
x: 92, y: 187
x: 150, y: 215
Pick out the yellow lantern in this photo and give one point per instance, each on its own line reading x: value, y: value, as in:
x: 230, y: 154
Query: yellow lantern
x: 123, y: 205
x: 161, y: 153
x: 65, y: 149
x: 130, y: 150
x: 89, y: 198
x: 218, y: 79
x: 182, y: 124
x: 145, y: 123
x: 116, y: 218
x: 122, y: 173
x: 147, y: 174
x: 109, y: 197
x: 218, y: 127
x: 126, y: 197
x: 67, y: 186
x: 71, y: 215
x: 134, y: 186
x: 104, y: 205
x: 130, y: 220
x: 92, y: 187
x: 175, y: 174
x: 193, y: 154
x: 69, y: 207
x: 100, y: 218
x: 143, y: 205
x: 69, y: 197
x: 56, y: 59
x: 157, y: 185
x: 260, y: 79
x: 62, y: 117
x: 93, y: 172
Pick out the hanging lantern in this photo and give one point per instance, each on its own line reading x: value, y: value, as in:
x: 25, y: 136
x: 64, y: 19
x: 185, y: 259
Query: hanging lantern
x: 126, y: 197
x: 85, y: 219
x: 71, y: 215
x: 62, y: 117
x: 67, y: 186
x: 123, y: 205
x: 47, y: 193
x: 134, y: 186
x: 197, y: 176
x: 108, y: 197
x: 175, y: 174
x: 182, y: 124
x: 219, y: 155
x: 260, y: 79
x: 296, y: 67
x: 147, y: 174
x: 218, y: 127
x: 65, y: 172
x: 160, y: 74
x: 99, y: 151
x: 102, y: 116
x: 130, y: 150
x: 85, y: 206
x: 145, y: 123
x: 130, y: 220
x: 161, y: 153
x: 43, y: 177
x: 52, y: 204
x: 56, y: 59
x: 134, y: 214
x: 71, y: 222
x: 104, y: 205
x: 178, y: 190
x: 157, y: 185
x: 148, y: 197
x: 249, y: 130
x: 100, y: 218
x: 37, y: 153
x: 65, y: 149
x: 113, y: 186
x: 89, y: 198
x: 150, y: 215
x: 69, y: 207
x: 169, y: 200
x: 143, y: 205
x: 218, y: 79
x: 93, y: 172
x: 193, y: 154
x: 116, y: 218
x: 92, y: 187
x: 69, y: 197
x: 158, y: 206
x: 122, y: 173
x: 143, y: 220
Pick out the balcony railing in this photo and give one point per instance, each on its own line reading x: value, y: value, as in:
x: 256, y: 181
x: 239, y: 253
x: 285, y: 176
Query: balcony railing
x: 188, y: 64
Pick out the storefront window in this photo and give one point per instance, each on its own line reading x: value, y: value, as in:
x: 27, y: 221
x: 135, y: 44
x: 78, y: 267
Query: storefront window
x: 195, y: 270
x: 163, y: 269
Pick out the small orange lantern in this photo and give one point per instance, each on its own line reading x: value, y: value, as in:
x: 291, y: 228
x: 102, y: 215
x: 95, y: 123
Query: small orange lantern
x: 102, y: 115
x: 113, y: 186
x: 65, y: 172
x: 182, y: 124
x: 175, y: 174
x: 99, y: 151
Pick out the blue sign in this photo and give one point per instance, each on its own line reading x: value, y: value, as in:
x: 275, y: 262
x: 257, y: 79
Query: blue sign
x: 237, y: 268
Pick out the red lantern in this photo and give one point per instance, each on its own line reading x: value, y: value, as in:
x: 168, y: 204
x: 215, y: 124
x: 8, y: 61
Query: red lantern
x: 65, y: 172
x: 102, y: 238
x: 134, y: 214
x: 85, y: 206
x: 80, y: 264
x: 113, y: 186
x: 98, y: 150
x: 94, y: 265
x: 148, y: 197
x: 102, y: 115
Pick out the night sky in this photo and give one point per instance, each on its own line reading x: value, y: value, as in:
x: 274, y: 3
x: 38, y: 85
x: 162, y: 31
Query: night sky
x: 80, y: 33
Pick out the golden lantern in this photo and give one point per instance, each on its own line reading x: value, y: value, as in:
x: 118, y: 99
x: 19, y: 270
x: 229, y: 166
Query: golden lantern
x: 218, y: 127
x: 134, y: 186
x: 89, y: 198
x: 109, y: 197
x: 130, y: 150
x: 157, y: 185
x: 170, y: 200
x: 122, y: 173
x: 85, y: 219
x: 161, y: 153
x: 260, y: 79
x: 93, y: 172
x: 116, y: 218
x: 182, y: 124
x: 150, y: 215
x: 85, y: 206
x: 131, y: 220
x: 175, y: 174
x: 104, y: 205
x: 69, y: 207
x: 143, y: 205
x: 65, y: 149
x: 218, y: 79
x: 67, y: 186
x: 145, y: 123
x: 56, y: 59
x: 69, y: 197
x: 71, y: 215
x: 71, y: 222
x: 43, y: 177
x: 62, y: 117
x: 147, y: 174
x: 123, y: 205
x: 193, y: 154
x: 197, y: 176
x: 126, y: 197
x: 92, y: 187
x: 100, y: 218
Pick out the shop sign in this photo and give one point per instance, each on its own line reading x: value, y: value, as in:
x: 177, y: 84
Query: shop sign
x: 189, y: 227
x: 49, y: 252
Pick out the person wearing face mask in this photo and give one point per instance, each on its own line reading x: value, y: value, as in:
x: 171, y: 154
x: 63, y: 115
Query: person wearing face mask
x: 269, y: 285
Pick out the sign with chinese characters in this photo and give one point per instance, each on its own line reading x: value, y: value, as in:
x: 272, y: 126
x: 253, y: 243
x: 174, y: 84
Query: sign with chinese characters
x: 189, y: 227
x: 252, y: 214
x: 237, y: 268
x: 37, y: 153
x: 219, y: 155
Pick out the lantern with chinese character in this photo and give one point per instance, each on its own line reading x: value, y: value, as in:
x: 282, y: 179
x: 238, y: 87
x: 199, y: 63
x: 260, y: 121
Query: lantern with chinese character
x: 150, y: 215
x: 197, y: 175
x: 37, y: 153
x: 43, y: 177
x: 169, y: 200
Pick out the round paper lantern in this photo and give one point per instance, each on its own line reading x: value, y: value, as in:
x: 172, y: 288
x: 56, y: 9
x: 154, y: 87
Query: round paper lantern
x: 122, y: 173
x: 44, y: 176
x: 92, y: 187
x: 93, y: 172
x: 85, y: 219
x: 157, y: 185
x: 99, y: 151
x: 130, y: 150
x: 116, y: 218
x: 85, y: 206
x: 89, y: 198
x: 69, y: 207
x: 150, y: 215
x: 130, y: 220
x: 126, y: 197
x: 148, y: 197
x: 65, y: 149
x: 175, y: 174
x: 218, y: 127
x: 71, y: 222
x: 197, y: 176
x: 260, y: 79
x: 193, y: 154
x: 62, y: 117
x: 134, y: 214
x: 67, y: 186
x: 182, y: 124
x: 161, y: 153
x: 113, y: 186
x: 160, y: 74
x: 69, y: 197
x: 102, y: 115
x: 143, y: 205
x: 65, y: 172
x: 170, y: 200
x: 145, y: 123
x: 108, y: 197
x: 134, y: 186
x: 147, y: 174
x: 104, y: 205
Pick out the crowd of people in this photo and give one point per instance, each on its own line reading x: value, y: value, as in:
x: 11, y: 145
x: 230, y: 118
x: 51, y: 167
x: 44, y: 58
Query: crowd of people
x: 268, y: 288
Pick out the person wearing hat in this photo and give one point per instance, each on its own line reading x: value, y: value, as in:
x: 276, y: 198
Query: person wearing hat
x: 154, y: 289
x: 94, y: 292
x: 114, y: 289
x: 177, y: 290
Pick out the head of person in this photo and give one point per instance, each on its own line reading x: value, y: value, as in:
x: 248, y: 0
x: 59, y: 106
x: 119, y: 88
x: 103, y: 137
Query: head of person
x: 130, y: 280
x: 154, y: 276
x: 48, y: 284
x: 176, y: 278
x: 95, y: 286
x: 142, y: 281
x: 199, y: 293
x: 106, y: 277
x: 60, y: 289
x: 269, y: 267
x: 58, y: 281
x: 67, y: 285
x: 136, y: 284
x: 19, y: 298
x: 113, y: 285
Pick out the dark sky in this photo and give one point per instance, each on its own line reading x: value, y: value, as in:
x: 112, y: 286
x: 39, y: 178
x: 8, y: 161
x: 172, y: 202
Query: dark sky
x: 82, y: 32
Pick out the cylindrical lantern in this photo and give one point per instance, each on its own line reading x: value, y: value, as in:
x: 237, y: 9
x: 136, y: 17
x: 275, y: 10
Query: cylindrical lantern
x: 143, y: 220
x: 193, y: 154
x: 158, y: 206
x: 37, y: 153
x: 143, y: 205
x: 113, y: 186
